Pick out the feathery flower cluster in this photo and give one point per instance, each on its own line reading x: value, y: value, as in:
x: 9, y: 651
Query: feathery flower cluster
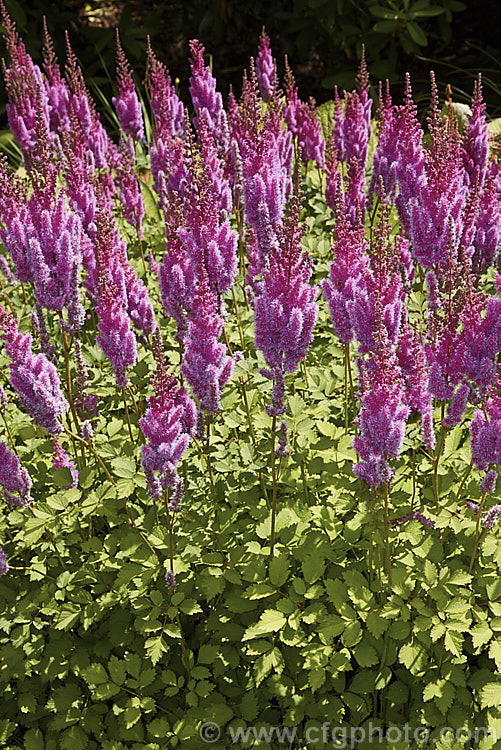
x: 345, y: 271
x: 167, y: 425
x: 61, y: 460
x: 266, y: 68
x: 33, y: 377
x: 491, y: 516
x: 207, y: 102
x: 485, y: 430
x: 4, y: 565
x: 127, y: 104
x: 285, y: 311
x: 350, y: 139
x: 303, y: 122
x: 116, y: 338
x: 206, y: 366
x: 14, y: 479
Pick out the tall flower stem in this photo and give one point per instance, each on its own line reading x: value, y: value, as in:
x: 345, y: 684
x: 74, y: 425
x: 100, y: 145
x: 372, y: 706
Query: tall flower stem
x: 9, y: 433
x: 247, y: 411
x: 209, y: 460
x: 275, y: 484
x: 350, y: 374
x: 127, y: 415
x: 240, y: 331
x: 169, y: 526
x: 140, y: 241
x: 386, y: 533
x: 7, y: 298
x: 96, y: 455
x: 443, y: 430
x: 478, y: 536
x: 345, y: 392
x: 463, y: 481
x: 66, y: 347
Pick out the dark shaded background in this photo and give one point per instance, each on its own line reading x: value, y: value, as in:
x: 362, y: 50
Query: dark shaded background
x: 323, y: 39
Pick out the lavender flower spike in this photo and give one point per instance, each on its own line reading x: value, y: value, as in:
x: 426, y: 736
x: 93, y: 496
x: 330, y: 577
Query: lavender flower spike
x: 4, y: 566
x: 266, y: 68
x: 205, y: 366
x: 167, y: 425
x: 14, y: 479
x: 33, y: 377
x: 127, y: 104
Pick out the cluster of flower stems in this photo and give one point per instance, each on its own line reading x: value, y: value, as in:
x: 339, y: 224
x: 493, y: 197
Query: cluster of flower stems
x: 228, y: 183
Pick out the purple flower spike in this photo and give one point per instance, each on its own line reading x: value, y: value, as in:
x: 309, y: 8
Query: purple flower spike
x: 266, y: 68
x: 14, y: 479
x: 61, y: 460
x: 116, y: 338
x: 476, y: 139
x: 4, y: 565
x: 170, y: 580
x: 165, y: 103
x: 208, y: 103
x: 130, y: 188
x: 285, y: 311
x: 33, y: 377
x: 350, y: 261
x: 488, y: 483
x: 303, y: 122
x: 167, y: 425
x: 58, y: 94
x: 491, y: 516
x: 206, y: 367
x: 127, y: 104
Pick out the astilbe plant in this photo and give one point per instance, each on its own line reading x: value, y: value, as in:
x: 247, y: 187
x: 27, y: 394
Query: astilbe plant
x: 266, y: 68
x: 127, y: 104
x: 302, y: 121
x: 350, y: 139
x: 410, y: 296
x: 206, y: 366
x: 33, y: 377
x: 14, y: 479
x: 167, y: 425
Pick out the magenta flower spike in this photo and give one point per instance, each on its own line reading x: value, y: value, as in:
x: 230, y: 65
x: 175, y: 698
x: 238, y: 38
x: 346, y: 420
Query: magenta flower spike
x: 485, y: 431
x: 414, y: 371
x: 476, y: 139
x: 285, y: 311
x: 433, y: 203
x: 129, y: 187
x: 266, y: 68
x: 487, y: 229
x: 352, y: 131
x: 165, y: 103
x: 206, y: 366
x: 379, y: 294
x: 4, y: 565
x: 14, y: 479
x: 127, y: 104
x: 206, y: 228
x: 207, y: 102
x: 116, y: 338
x: 167, y: 425
x: 61, y: 460
x: 350, y: 261
x: 58, y: 94
x: 83, y: 108
x: 27, y: 97
x: 33, y: 377
x: 382, y: 416
x: 302, y: 121
x: 176, y: 274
